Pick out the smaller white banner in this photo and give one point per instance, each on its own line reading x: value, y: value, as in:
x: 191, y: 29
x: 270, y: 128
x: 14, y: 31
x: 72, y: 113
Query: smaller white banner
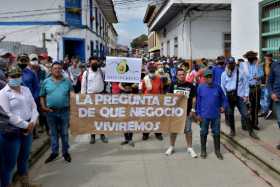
x: 122, y: 69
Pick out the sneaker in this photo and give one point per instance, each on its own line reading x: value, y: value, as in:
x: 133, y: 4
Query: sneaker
x: 169, y: 151
x: 145, y: 137
x: 67, y: 157
x: 51, y: 158
x: 253, y: 135
x: 268, y: 114
x: 131, y: 143
x: 104, y: 139
x: 191, y: 152
x: 231, y: 134
x: 263, y: 114
x: 159, y: 137
x: 124, y: 143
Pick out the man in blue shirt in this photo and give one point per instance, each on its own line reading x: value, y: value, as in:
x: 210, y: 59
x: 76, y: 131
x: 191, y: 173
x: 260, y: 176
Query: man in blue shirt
x: 218, y: 70
x: 255, y: 75
x: 210, y: 102
x: 235, y: 85
x: 273, y: 85
x: 55, y: 100
x: 29, y: 78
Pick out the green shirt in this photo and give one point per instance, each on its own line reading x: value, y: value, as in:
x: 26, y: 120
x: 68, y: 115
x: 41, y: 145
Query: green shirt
x: 57, y: 93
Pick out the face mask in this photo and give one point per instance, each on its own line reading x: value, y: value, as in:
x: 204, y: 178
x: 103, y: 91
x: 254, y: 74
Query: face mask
x: 161, y: 70
x: 15, y: 82
x: 22, y: 66
x: 152, y: 75
x: 34, y: 62
x: 94, y: 67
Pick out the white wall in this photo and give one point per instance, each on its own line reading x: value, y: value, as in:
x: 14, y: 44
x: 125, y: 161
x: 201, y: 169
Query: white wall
x: 206, y: 34
x: 17, y: 6
x: 32, y: 35
x: 245, y: 26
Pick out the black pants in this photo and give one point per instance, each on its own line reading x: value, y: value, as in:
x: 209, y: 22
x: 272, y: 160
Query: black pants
x: 243, y: 109
x: 255, y: 93
x: 128, y: 136
x: 43, y: 121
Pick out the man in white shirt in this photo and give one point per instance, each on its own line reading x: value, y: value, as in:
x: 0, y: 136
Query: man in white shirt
x: 93, y: 83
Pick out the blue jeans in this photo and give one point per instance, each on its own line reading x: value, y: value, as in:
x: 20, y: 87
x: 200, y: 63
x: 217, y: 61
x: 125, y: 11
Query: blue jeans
x: 215, y: 126
x: 15, y: 151
x: 265, y: 100
x: 58, y: 123
x: 277, y: 108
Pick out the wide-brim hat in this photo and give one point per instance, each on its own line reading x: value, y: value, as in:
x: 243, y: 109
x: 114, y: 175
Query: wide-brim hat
x: 250, y: 54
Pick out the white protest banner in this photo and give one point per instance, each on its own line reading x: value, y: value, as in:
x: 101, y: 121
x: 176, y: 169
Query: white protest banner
x: 122, y: 69
x: 101, y: 113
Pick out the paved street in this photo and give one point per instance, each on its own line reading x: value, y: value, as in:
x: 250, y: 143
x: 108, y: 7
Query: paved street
x: 145, y: 165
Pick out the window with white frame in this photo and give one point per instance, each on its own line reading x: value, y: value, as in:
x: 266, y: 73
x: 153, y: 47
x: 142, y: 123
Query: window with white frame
x: 168, y: 48
x: 227, y: 44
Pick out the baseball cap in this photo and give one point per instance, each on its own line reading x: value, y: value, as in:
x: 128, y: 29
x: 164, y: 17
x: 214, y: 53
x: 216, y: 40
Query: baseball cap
x: 230, y: 60
x: 33, y: 57
x: 208, y: 72
x: 4, y: 52
x: 14, y: 70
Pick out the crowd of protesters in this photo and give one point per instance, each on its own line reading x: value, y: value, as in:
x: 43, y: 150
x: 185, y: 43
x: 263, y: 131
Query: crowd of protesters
x: 34, y: 89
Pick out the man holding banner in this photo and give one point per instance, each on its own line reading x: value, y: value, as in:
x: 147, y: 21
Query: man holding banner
x: 93, y: 82
x: 181, y: 87
x: 152, y: 84
x: 55, y: 101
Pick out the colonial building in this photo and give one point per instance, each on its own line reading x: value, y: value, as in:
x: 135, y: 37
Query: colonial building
x: 65, y: 27
x: 193, y: 29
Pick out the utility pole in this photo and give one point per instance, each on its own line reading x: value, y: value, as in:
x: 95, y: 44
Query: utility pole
x: 44, y: 40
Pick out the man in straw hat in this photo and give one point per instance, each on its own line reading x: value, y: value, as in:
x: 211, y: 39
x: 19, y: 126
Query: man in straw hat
x: 255, y: 74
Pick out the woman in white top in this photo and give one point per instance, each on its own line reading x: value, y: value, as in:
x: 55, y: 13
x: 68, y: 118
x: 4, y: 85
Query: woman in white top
x: 20, y: 107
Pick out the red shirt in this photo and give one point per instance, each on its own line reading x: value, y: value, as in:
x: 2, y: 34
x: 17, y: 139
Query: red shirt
x: 157, y: 87
x: 115, y: 88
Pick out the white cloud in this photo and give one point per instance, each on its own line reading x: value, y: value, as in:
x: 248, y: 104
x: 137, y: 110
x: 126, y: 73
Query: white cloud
x: 127, y: 32
x: 133, y: 13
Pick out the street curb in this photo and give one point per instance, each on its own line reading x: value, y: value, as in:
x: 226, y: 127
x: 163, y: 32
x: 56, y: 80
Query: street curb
x: 35, y: 156
x: 275, y: 173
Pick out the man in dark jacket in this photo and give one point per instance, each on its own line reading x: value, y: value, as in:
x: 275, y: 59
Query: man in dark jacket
x: 274, y: 88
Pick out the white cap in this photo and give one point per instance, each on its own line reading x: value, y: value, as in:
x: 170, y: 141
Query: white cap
x: 33, y: 56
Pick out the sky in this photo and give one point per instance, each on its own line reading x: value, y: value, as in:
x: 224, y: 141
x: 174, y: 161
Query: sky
x: 131, y: 23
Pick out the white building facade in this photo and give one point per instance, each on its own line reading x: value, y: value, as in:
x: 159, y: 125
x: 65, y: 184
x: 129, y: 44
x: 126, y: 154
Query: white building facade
x: 194, y: 29
x: 65, y: 27
x: 245, y: 27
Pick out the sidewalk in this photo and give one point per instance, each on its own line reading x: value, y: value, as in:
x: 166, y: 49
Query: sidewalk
x: 264, y: 150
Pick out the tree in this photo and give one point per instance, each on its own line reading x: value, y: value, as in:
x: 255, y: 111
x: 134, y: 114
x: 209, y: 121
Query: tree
x: 139, y: 42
